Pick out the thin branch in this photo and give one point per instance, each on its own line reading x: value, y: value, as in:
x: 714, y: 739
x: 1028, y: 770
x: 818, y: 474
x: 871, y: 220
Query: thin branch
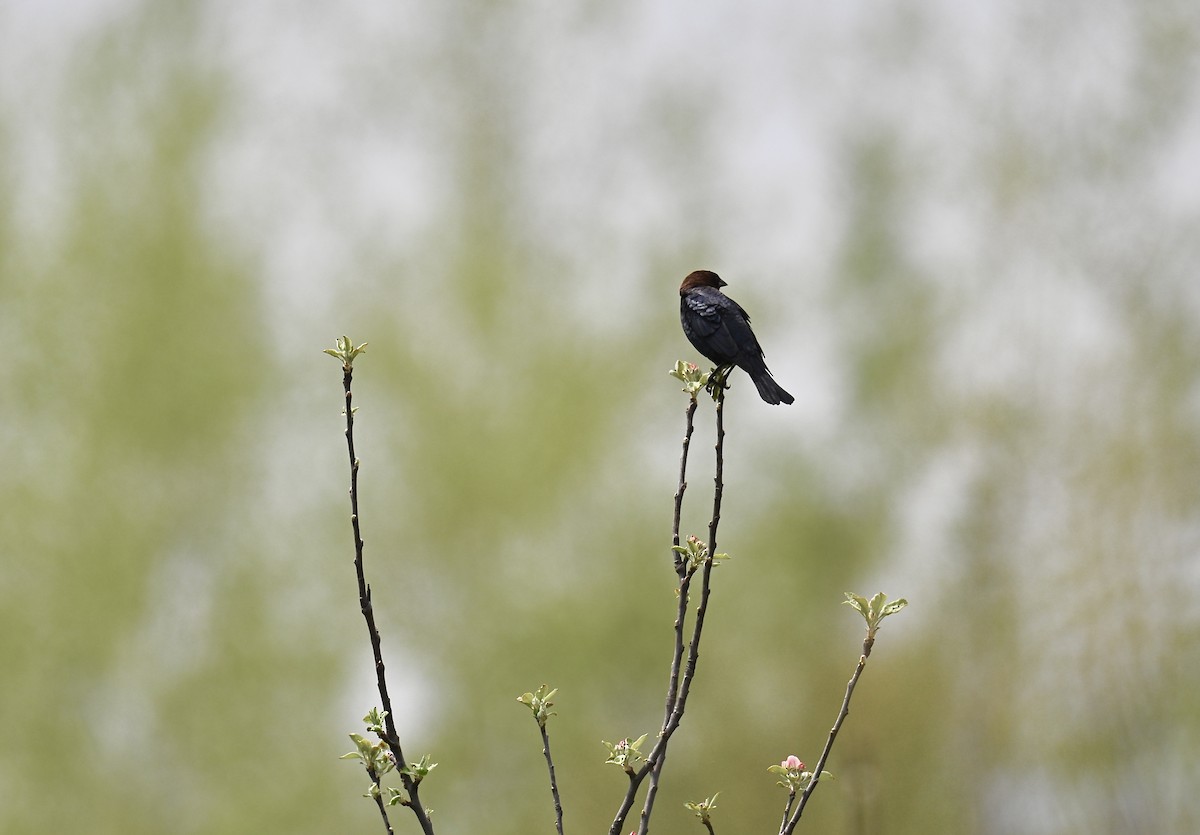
x: 687, y: 442
x: 558, y: 812
x: 685, y: 581
x: 787, y: 810
x: 685, y: 576
x: 837, y: 725
x: 391, y: 738
x: 387, y: 824
x: 635, y: 780
x: 658, y: 755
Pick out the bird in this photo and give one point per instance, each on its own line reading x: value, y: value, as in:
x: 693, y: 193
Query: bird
x: 719, y: 329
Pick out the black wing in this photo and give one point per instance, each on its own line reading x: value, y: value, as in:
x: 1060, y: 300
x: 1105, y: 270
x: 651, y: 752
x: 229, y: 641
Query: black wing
x: 713, y: 323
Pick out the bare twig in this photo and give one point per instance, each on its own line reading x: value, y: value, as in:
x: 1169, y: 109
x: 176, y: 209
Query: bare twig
x: 787, y: 810
x: 685, y: 579
x: 790, y: 823
x: 390, y: 737
x: 558, y: 811
x: 657, y: 757
x: 635, y: 780
x: 387, y: 824
x: 685, y: 576
x: 669, y: 721
x: 539, y: 702
x: 687, y: 442
x: 681, y: 568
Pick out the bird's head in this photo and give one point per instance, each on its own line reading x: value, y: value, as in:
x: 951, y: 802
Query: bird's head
x: 701, y: 278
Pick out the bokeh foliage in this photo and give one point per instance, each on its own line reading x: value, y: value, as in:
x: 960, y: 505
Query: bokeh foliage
x: 968, y: 242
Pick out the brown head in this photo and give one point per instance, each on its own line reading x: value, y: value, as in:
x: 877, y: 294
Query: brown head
x: 701, y: 278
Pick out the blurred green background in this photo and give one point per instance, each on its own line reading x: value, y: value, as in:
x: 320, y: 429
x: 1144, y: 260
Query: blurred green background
x: 969, y: 234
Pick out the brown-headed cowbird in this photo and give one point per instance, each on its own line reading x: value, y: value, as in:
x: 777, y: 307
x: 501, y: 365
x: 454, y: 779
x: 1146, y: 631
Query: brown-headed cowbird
x: 718, y: 328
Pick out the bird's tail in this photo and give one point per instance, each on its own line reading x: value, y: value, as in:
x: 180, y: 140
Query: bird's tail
x: 771, y: 391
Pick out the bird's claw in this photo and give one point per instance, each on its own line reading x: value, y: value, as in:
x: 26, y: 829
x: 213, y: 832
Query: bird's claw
x: 718, y: 378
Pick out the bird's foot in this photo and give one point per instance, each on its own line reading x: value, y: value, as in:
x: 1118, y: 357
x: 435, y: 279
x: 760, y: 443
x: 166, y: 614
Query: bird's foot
x: 718, y: 378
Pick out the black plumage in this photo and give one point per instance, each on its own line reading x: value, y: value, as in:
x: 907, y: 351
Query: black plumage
x: 720, y: 330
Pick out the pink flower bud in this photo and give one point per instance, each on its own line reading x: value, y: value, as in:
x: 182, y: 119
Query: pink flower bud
x: 793, y: 763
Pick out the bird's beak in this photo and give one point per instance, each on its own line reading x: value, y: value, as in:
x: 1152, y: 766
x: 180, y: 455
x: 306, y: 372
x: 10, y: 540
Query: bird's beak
x: 722, y: 282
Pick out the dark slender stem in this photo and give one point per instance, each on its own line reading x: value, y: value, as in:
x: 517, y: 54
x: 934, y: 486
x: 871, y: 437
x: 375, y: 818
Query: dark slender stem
x: 719, y: 478
x: 685, y: 581
x: 837, y: 725
x: 687, y: 442
x: 685, y: 577
x: 558, y: 812
x: 708, y: 825
x: 635, y: 780
x: 390, y: 737
x: 658, y: 755
x: 387, y: 824
x: 787, y: 810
